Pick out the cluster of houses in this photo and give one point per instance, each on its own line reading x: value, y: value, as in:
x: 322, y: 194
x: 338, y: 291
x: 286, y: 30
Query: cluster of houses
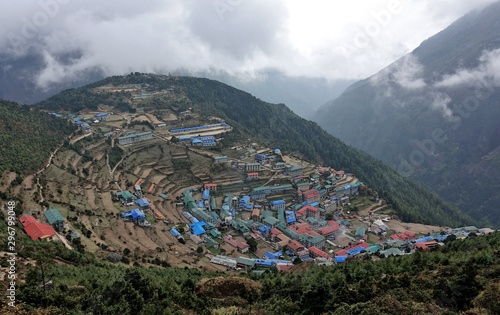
x: 82, y: 122
x: 297, y: 228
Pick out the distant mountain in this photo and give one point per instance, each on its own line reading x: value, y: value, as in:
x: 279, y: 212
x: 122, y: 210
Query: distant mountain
x: 303, y: 95
x: 18, y: 75
x: 279, y: 127
x: 434, y: 114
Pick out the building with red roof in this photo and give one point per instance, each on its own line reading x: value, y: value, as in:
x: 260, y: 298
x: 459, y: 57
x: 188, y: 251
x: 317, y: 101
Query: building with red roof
x: 253, y: 175
x: 295, y: 246
x: 37, y: 230
x: 274, y: 233
x: 316, y: 252
x: 230, y: 241
x: 427, y: 245
x: 210, y: 186
x: 329, y: 230
x: 243, y: 247
x: 301, y: 228
x: 311, y: 195
x: 283, y: 267
x: 307, y: 212
x: 403, y: 236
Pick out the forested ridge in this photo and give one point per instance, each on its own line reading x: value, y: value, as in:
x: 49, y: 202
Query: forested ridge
x: 28, y: 136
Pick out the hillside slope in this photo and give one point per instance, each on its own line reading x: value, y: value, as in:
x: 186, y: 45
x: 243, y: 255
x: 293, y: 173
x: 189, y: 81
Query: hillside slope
x: 280, y: 127
x: 433, y: 114
x: 27, y: 137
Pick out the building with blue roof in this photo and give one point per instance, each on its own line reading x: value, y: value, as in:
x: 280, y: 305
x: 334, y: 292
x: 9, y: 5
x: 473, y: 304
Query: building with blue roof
x: 134, y: 215
x: 290, y: 217
x: 264, y: 262
x: 340, y: 259
x: 199, y: 128
x: 143, y: 203
x: 174, y: 232
x: 206, y: 194
x: 347, y: 189
x: 273, y: 255
x: 244, y: 201
x: 355, y: 251
x: 265, y: 229
x: 278, y: 204
x: 197, y: 228
x: 424, y: 239
x: 196, y: 142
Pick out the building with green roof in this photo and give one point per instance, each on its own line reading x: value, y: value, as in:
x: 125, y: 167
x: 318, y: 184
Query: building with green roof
x: 245, y: 262
x: 135, y: 137
x: 55, y: 219
x: 270, y: 221
x: 360, y: 231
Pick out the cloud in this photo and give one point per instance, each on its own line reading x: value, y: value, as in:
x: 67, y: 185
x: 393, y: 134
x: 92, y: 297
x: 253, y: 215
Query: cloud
x: 241, y: 37
x: 440, y: 103
x: 409, y: 73
x: 405, y: 73
x: 487, y: 73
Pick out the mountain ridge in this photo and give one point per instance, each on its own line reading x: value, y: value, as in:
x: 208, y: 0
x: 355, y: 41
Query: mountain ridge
x: 431, y: 114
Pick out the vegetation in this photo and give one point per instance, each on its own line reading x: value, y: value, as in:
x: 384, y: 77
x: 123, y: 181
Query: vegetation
x: 115, y: 155
x: 27, y: 137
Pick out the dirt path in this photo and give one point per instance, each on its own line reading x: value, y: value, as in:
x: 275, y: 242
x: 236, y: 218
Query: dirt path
x: 80, y: 137
x: 272, y: 178
x: 64, y: 240
x: 366, y: 210
x: 416, y: 228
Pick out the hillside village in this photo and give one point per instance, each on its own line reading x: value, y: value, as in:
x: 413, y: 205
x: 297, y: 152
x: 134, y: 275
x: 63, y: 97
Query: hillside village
x: 165, y: 185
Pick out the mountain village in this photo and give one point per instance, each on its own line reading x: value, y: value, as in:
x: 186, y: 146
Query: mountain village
x: 266, y: 209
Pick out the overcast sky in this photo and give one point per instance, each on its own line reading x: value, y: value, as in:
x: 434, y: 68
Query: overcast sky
x: 317, y: 38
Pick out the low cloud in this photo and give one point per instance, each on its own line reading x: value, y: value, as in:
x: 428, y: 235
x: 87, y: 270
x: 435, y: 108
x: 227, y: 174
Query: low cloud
x: 441, y: 103
x: 408, y: 73
x: 487, y: 73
